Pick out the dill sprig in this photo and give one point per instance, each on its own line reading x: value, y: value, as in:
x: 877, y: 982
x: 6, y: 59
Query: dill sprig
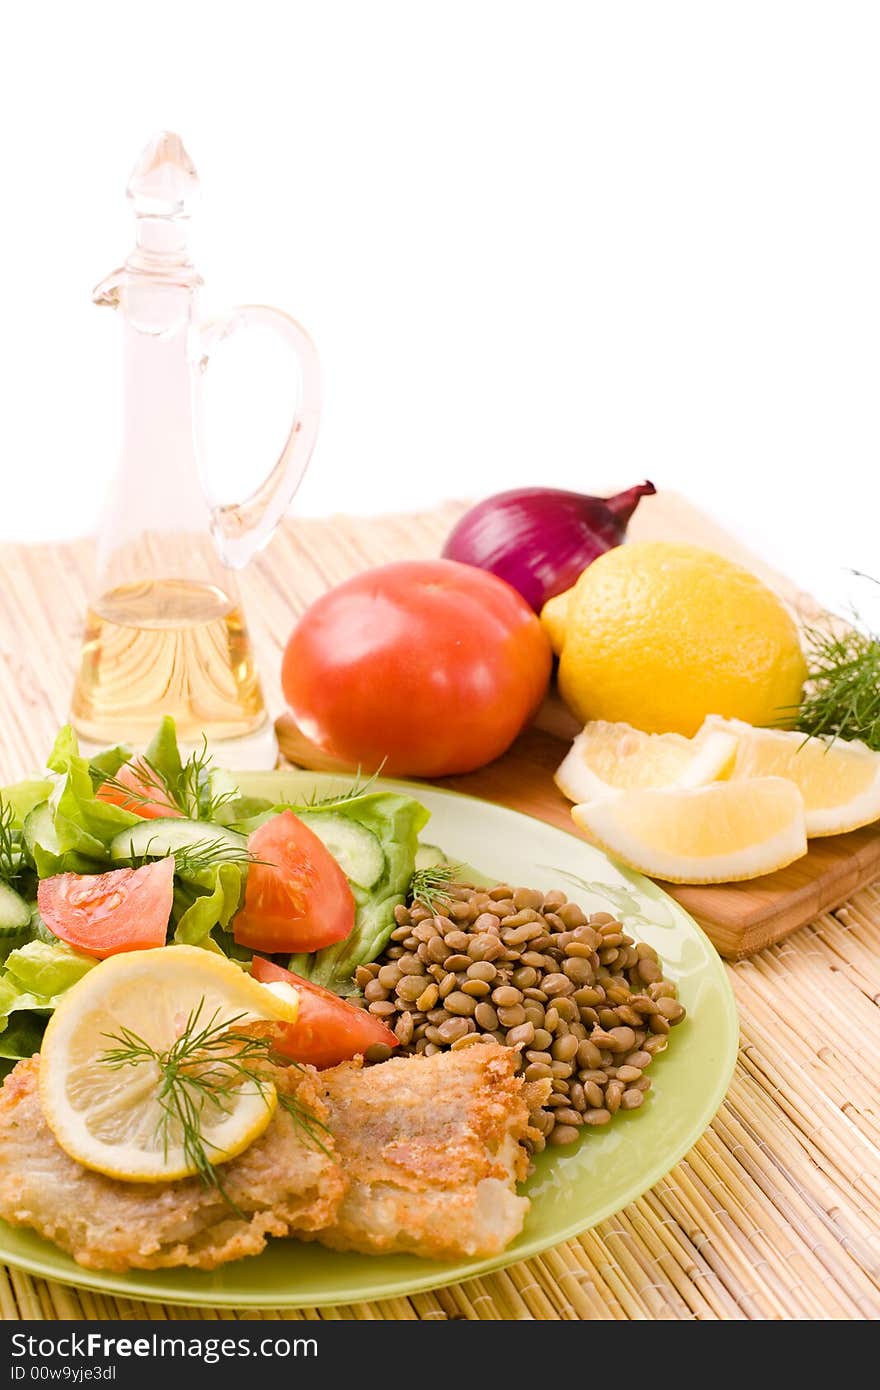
x: 189, y: 792
x: 194, y: 786
x: 151, y: 785
x: 430, y: 886
x: 842, y: 698
x: 200, y: 1075
x: 10, y: 847
x: 192, y: 860
x: 359, y: 787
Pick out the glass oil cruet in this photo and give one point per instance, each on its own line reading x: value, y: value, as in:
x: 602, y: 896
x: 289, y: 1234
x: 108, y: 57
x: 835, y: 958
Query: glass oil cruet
x: 165, y: 632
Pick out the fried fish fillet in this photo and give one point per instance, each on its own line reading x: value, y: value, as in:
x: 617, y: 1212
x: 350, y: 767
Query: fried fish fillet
x: 421, y: 1154
x: 283, y: 1184
x: 431, y: 1148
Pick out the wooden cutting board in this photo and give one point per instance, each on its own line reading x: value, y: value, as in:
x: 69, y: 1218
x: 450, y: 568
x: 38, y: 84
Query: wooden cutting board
x: 740, y: 918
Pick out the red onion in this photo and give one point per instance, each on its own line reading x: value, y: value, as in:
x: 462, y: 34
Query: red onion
x: 540, y: 539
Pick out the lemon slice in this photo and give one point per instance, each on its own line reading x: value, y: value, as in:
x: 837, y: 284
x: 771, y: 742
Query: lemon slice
x: 714, y: 834
x: 839, y: 781
x: 617, y: 756
x: 111, y: 1118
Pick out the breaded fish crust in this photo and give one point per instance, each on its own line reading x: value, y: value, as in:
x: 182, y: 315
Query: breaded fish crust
x: 431, y: 1148
x: 283, y: 1184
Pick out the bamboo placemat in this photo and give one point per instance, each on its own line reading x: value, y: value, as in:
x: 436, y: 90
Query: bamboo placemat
x: 775, y: 1213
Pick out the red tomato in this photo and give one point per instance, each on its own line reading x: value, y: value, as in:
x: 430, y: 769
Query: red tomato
x: 139, y: 780
x: 103, y: 914
x: 328, y: 1030
x: 431, y: 667
x: 297, y: 898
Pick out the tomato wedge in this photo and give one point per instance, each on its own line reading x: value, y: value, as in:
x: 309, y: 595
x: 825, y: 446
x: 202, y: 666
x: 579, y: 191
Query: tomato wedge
x: 103, y: 914
x: 297, y: 897
x: 139, y: 782
x: 328, y: 1030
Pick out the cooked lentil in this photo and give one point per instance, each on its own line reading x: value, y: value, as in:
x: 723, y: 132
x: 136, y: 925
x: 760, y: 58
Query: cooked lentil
x: 583, y: 1004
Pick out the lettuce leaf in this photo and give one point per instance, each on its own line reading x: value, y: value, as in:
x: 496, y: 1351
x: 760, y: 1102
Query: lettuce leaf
x: 163, y: 753
x: 198, y: 913
x: 35, y: 979
x: 41, y: 974
x: 9, y: 994
x: 82, y: 822
x: 108, y: 763
x: 69, y: 831
x: 22, y: 797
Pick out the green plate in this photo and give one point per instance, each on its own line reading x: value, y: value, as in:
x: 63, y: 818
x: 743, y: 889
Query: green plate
x: 571, y: 1189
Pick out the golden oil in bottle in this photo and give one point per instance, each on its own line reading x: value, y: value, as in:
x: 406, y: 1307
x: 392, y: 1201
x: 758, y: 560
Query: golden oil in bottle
x: 166, y: 647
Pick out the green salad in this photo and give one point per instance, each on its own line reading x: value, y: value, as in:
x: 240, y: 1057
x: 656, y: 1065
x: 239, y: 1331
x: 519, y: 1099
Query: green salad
x: 121, y: 811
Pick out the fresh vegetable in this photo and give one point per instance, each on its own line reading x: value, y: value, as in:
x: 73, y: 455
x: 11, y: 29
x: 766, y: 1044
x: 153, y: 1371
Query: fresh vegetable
x: 71, y: 829
x: 191, y: 839
x: 160, y: 783
x: 60, y: 826
x: 660, y: 636
x: 541, y: 539
x: 200, y: 910
x: 394, y: 820
x: 103, y: 914
x: 356, y: 849
x: 42, y: 972
x: 328, y: 1030
x: 35, y: 978
x: 16, y: 802
x: 15, y: 912
x: 137, y: 789
x: 431, y: 884
x: 429, y: 857
x: 210, y: 865
x: 843, y: 683
x: 43, y: 844
x: 297, y: 897
x: 423, y: 668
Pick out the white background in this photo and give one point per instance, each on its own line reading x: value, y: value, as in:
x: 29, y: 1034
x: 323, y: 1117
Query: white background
x: 576, y: 244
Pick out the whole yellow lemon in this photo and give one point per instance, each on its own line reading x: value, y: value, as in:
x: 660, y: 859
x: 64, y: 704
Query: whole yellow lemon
x: 660, y: 635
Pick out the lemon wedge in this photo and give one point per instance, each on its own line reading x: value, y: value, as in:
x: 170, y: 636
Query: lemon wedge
x: 608, y: 756
x: 839, y: 781
x: 111, y: 1118
x: 714, y: 834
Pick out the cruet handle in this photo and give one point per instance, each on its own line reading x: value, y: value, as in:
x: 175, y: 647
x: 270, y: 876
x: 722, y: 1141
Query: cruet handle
x: 240, y: 529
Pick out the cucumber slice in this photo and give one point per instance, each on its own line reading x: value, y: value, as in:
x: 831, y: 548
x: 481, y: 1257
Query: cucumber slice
x: 44, y: 851
x: 429, y: 856
x: 39, y: 829
x: 15, y: 913
x: 356, y: 849
x: 154, y: 839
